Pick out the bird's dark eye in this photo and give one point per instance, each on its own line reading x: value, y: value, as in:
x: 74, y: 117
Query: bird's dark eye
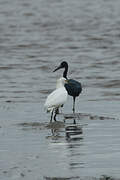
x: 63, y: 64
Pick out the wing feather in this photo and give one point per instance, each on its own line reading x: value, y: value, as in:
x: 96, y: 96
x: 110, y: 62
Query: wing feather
x: 56, y: 98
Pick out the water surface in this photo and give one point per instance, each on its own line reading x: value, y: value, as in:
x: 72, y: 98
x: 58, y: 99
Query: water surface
x: 35, y: 36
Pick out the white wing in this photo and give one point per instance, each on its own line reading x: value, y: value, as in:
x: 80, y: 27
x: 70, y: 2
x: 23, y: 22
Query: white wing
x: 56, y: 98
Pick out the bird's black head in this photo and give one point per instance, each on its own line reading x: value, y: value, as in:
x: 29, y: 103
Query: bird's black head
x: 63, y: 64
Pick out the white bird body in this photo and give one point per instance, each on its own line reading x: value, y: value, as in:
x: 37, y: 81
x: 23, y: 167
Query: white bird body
x: 57, y: 98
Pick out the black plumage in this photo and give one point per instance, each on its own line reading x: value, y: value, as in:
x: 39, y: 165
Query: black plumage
x: 73, y: 87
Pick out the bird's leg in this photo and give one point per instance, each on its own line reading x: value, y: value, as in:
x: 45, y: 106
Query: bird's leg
x: 73, y: 104
x: 55, y: 117
x: 51, y: 115
x: 57, y: 111
x: 55, y: 114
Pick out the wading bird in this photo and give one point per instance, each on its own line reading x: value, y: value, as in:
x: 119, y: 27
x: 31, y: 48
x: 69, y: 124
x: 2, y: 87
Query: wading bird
x: 57, y: 98
x: 73, y: 87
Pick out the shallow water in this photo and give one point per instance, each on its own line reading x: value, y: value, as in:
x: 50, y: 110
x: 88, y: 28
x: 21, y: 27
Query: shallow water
x: 35, y: 36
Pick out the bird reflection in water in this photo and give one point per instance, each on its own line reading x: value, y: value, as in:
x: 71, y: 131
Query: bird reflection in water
x: 56, y: 129
x: 70, y: 131
x: 74, y: 131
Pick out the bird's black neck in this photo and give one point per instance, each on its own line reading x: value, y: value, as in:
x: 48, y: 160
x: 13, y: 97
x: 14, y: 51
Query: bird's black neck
x: 65, y: 71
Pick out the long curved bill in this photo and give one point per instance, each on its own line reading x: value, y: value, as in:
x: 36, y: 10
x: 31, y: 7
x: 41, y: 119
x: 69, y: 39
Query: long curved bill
x: 59, y: 67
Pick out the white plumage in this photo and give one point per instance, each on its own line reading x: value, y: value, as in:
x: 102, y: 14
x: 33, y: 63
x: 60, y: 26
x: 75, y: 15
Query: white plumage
x: 57, y: 98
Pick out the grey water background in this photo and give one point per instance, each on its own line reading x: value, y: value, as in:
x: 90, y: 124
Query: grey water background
x: 35, y: 36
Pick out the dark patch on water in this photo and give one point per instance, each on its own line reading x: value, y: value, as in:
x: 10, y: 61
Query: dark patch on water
x: 80, y: 116
x: 42, y: 126
x: 103, y: 177
x: 109, y: 84
x: 44, y: 91
x: 61, y: 178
